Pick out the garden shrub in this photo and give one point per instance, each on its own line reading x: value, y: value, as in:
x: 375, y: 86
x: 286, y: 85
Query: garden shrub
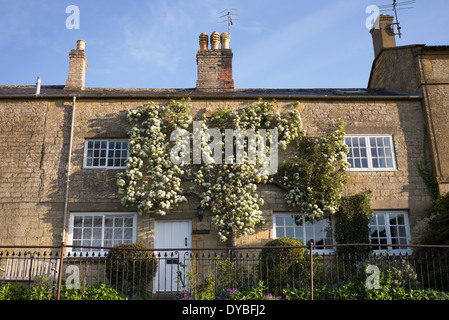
x: 280, y: 267
x: 354, y: 289
x: 41, y: 291
x: 352, y: 225
x: 98, y: 291
x: 434, y: 230
x: 437, y: 231
x: 131, y: 269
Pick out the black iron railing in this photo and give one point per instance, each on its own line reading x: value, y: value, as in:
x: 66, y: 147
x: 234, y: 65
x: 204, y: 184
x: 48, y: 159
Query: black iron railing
x: 174, y: 272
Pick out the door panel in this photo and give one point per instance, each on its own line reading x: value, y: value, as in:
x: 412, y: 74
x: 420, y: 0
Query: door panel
x: 173, y: 264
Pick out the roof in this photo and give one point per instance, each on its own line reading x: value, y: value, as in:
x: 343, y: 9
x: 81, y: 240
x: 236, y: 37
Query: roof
x: 57, y: 92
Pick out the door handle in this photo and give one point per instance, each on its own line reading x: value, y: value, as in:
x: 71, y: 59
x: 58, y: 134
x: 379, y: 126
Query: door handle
x: 185, y: 241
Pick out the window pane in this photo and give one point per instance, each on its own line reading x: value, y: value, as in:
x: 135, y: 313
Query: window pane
x: 78, y: 221
x: 118, y: 222
x: 288, y: 220
x: 128, y: 233
x: 128, y: 222
x: 108, y: 221
x: 87, y: 222
x: 97, y: 233
x: 108, y: 233
x: 87, y: 233
x: 280, y: 232
x: 289, y: 232
x: 77, y: 232
x: 118, y: 233
x: 299, y: 233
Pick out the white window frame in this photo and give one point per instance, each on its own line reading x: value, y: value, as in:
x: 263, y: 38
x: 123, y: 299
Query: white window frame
x: 304, y: 239
x: 133, y: 215
x: 388, y: 236
x: 86, y: 166
x: 368, y: 151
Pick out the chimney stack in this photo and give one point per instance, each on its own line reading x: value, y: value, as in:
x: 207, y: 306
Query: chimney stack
x: 214, y: 65
x: 383, y: 34
x: 77, y: 68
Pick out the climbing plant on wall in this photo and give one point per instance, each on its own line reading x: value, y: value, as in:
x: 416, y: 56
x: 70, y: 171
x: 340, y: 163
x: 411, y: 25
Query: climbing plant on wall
x: 312, y: 176
x: 151, y: 180
x: 230, y: 190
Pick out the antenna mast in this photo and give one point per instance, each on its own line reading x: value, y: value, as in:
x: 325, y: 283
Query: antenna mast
x: 395, y: 7
x: 229, y: 18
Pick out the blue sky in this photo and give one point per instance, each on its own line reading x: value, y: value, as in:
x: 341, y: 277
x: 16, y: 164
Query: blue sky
x: 153, y: 44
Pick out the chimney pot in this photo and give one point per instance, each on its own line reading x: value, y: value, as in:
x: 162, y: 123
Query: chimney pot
x: 215, y: 40
x: 80, y: 45
x: 204, y: 41
x: 225, y: 40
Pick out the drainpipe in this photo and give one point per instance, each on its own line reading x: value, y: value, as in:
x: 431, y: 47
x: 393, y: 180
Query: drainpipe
x: 68, y: 171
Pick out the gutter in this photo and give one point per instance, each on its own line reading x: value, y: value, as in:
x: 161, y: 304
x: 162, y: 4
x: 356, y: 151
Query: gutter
x: 219, y: 96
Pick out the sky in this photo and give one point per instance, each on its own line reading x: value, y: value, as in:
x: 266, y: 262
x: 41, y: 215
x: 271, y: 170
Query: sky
x: 153, y: 43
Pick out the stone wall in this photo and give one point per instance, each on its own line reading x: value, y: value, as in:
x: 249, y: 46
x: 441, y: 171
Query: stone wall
x: 35, y: 142
x: 421, y: 70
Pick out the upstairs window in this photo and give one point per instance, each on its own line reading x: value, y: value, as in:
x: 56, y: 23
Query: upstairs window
x: 105, y: 154
x: 371, y: 153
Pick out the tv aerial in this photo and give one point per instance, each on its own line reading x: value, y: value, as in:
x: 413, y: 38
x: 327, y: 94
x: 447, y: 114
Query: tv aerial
x: 396, y: 6
x: 229, y: 17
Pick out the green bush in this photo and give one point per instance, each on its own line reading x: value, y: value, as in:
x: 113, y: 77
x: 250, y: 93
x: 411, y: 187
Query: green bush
x: 42, y: 291
x: 352, y: 225
x: 437, y: 231
x: 98, y: 291
x: 131, y: 269
x: 280, y: 266
x: 354, y: 289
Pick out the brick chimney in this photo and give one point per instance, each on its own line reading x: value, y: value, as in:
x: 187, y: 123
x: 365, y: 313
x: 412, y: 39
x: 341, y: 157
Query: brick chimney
x: 77, y: 68
x: 214, y: 64
x: 383, y: 33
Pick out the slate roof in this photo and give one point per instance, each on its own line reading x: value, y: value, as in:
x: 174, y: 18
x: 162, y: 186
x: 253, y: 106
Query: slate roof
x: 12, y: 92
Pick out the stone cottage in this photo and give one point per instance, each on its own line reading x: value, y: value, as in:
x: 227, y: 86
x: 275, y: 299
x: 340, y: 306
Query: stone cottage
x: 64, y: 145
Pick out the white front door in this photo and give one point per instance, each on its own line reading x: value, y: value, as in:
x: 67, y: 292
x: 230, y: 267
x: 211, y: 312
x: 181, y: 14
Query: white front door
x: 173, y: 264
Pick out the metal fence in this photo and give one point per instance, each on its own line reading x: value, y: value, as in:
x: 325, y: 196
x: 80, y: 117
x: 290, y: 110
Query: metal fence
x: 171, y: 273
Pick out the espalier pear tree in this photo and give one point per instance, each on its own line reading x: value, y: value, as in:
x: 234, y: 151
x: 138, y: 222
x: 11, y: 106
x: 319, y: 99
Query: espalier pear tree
x: 226, y: 157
